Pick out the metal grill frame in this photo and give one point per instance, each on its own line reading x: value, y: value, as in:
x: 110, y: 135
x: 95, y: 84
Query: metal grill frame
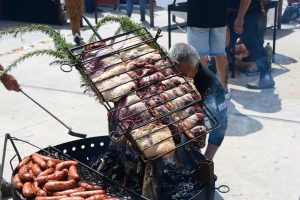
x: 209, y: 117
x: 109, y: 185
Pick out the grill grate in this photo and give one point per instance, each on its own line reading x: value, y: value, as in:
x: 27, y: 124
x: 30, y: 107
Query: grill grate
x: 125, y: 124
x: 92, y: 177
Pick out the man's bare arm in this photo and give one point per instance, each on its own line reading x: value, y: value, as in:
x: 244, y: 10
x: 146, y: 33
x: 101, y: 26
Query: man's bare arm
x: 239, y: 22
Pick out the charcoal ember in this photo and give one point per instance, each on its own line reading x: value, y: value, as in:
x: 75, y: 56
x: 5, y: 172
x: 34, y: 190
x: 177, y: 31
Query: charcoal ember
x: 180, y: 181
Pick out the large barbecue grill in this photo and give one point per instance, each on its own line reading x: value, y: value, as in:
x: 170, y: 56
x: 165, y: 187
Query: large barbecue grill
x: 87, y: 151
x: 141, y: 37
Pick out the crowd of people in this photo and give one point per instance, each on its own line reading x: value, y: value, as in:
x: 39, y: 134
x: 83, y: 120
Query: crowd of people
x: 213, y: 29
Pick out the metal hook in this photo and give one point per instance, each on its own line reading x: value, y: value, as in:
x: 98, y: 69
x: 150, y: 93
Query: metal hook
x: 115, y: 136
x: 66, y: 69
x: 223, y: 189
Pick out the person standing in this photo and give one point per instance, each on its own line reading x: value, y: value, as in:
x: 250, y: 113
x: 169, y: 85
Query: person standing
x: 206, y: 32
x: 75, y: 11
x: 243, y: 22
x: 129, y: 8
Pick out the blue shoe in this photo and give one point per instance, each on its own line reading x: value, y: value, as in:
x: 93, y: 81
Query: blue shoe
x: 263, y: 83
x: 77, y: 38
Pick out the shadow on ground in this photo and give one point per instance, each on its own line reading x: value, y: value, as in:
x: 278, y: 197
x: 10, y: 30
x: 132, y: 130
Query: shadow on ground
x: 240, y: 124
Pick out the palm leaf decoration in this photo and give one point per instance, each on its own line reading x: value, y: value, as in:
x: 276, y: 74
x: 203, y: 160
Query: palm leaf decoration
x: 60, y: 53
x: 126, y: 24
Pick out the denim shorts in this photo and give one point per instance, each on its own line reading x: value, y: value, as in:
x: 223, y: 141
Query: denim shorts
x: 216, y: 136
x: 207, y: 41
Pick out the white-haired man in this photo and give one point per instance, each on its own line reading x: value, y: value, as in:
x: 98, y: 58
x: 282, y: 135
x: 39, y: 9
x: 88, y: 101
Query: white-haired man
x: 208, y: 85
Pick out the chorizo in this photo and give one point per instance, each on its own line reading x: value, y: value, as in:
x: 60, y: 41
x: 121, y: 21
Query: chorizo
x: 25, y: 161
x: 50, y: 198
x: 45, y: 158
x: 36, y: 170
x: 68, y: 192
x: 87, y: 194
x: 72, y: 198
x: 66, y: 164
x: 58, y: 175
x: 53, y: 163
x: 27, y: 190
x: 39, y: 161
x: 24, y: 174
x: 55, y: 186
x: 30, y: 164
x: 47, y: 172
x: 97, y: 197
x: 73, y: 173
x: 37, y: 191
x: 17, y: 182
x: 90, y: 186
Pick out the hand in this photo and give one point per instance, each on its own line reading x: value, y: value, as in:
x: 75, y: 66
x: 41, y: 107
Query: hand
x: 10, y: 83
x: 238, y: 25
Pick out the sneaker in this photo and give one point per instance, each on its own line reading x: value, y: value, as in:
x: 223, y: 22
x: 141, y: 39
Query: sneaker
x: 227, y: 95
x: 77, y: 38
x: 263, y: 83
x: 5, y: 189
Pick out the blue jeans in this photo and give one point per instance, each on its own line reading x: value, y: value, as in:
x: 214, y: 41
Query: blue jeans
x: 250, y: 38
x: 129, y: 8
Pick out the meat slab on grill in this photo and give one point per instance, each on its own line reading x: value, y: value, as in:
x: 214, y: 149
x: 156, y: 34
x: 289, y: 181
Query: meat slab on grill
x: 148, y: 93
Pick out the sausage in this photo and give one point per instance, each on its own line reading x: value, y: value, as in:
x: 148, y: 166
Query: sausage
x: 58, y: 175
x: 97, y: 197
x: 68, y: 192
x: 66, y: 164
x: 27, y: 190
x: 24, y: 174
x: 30, y: 164
x: 36, y: 170
x: 45, y: 158
x: 17, y: 182
x: 87, y: 193
x: 50, y: 198
x: 39, y: 161
x: 72, y: 198
x: 89, y: 186
x: 53, y: 163
x: 37, y: 191
x: 47, y: 192
x: 47, y: 172
x: 25, y: 161
x: 73, y: 173
x: 54, y: 186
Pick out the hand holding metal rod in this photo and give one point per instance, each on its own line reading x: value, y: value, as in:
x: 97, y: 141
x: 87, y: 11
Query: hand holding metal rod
x: 70, y: 132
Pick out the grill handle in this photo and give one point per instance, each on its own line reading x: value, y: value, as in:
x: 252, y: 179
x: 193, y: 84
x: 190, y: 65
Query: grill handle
x: 70, y: 132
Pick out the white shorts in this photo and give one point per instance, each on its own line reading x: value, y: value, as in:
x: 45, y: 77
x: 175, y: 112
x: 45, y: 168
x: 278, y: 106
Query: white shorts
x: 207, y: 41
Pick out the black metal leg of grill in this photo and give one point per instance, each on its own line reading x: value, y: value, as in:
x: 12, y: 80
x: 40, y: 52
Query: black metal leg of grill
x: 169, y: 25
x: 7, y: 137
x: 275, y: 29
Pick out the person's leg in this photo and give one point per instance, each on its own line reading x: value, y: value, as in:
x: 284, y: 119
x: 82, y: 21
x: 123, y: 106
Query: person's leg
x: 216, y: 137
x: 251, y: 39
x: 217, y: 42
x: 129, y: 7
x: 143, y: 9
x: 231, y: 39
x: 72, y: 9
x: 199, y: 39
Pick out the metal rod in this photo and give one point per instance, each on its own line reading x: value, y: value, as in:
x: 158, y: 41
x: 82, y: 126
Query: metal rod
x: 70, y: 132
x: 91, y: 26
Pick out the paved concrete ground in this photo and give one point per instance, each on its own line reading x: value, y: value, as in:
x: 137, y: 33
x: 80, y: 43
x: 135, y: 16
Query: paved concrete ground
x: 259, y: 158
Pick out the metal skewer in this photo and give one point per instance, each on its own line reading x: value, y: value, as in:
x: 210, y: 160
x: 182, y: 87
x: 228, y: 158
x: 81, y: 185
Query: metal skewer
x: 70, y: 132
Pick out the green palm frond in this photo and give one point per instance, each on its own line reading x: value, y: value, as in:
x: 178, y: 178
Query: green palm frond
x: 126, y: 24
x: 59, y: 40
x: 53, y: 53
